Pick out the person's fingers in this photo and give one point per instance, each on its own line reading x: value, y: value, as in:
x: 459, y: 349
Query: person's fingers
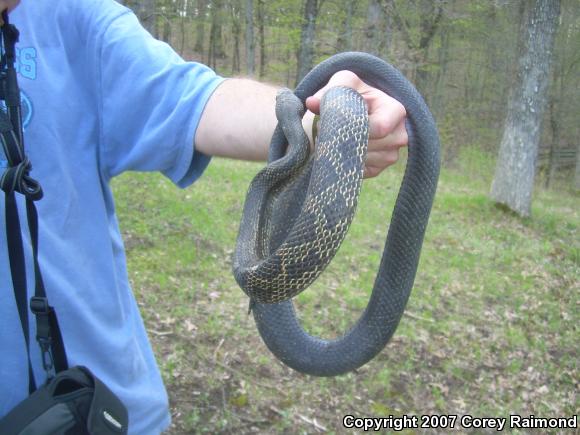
x: 341, y: 78
x: 385, y: 115
x: 387, y: 132
x: 397, y: 138
x: 379, y: 160
x: 384, y: 152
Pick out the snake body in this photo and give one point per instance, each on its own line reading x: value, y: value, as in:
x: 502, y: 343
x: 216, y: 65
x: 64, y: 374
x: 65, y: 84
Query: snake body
x: 299, y: 207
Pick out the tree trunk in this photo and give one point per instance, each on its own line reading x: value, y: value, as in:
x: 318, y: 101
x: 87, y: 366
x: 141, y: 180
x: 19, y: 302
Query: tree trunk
x: 216, y: 48
x: 577, y: 169
x: 439, y: 100
x: 145, y: 10
x: 514, y: 175
x: 166, y: 30
x: 306, y: 52
x: 236, y: 33
x: 184, y: 15
x: 551, y: 169
x: 344, y: 40
x: 373, y: 38
x: 250, y: 65
x: 565, y: 78
x: 556, y: 116
x: 200, y: 26
x: 430, y: 14
x: 261, y: 18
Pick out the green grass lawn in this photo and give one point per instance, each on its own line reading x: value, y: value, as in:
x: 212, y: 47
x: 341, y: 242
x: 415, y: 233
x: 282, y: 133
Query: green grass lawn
x: 491, y: 328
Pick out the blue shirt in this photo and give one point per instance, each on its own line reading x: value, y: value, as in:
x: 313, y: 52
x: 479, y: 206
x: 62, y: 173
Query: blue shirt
x: 100, y: 96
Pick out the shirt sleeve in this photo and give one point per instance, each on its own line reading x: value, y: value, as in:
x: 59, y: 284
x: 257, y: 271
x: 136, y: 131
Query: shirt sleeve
x: 151, y: 102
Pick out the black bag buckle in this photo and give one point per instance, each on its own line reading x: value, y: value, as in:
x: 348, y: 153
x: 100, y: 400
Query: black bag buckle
x: 39, y: 306
x: 47, y: 359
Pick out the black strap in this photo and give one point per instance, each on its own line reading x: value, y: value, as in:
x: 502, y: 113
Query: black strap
x: 16, y: 179
x: 48, y: 332
x: 18, y: 272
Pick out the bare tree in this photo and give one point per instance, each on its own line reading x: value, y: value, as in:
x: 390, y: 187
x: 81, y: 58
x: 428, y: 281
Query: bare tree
x: 216, y: 47
x: 261, y: 35
x: 306, y: 51
x: 235, y: 13
x: 250, y: 66
x: 514, y: 175
x: 577, y: 170
x: 374, y: 41
x: 200, y: 25
x: 566, y: 60
x: 344, y: 41
x: 145, y: 10
x: 184, y: 12
x: 417, y: 36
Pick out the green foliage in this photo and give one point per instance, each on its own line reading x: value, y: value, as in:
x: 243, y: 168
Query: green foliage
x: 462, y: 62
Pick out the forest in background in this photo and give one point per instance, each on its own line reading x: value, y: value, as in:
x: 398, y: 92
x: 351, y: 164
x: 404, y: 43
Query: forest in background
x: 461, y: 55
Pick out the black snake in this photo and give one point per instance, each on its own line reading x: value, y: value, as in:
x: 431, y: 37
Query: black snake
x: 299, y: 207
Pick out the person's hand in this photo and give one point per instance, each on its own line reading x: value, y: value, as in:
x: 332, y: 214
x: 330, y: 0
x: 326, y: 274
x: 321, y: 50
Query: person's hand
x: 387, y: 131
x: 7, y: 4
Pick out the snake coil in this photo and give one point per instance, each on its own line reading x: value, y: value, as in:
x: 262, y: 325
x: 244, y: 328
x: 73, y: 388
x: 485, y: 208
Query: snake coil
x: 299, y: 207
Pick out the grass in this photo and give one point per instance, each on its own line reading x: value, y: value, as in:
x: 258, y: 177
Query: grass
x: 491, y: 328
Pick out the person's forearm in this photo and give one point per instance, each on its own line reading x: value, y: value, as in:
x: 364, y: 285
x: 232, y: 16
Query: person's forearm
x: 239, y: 119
